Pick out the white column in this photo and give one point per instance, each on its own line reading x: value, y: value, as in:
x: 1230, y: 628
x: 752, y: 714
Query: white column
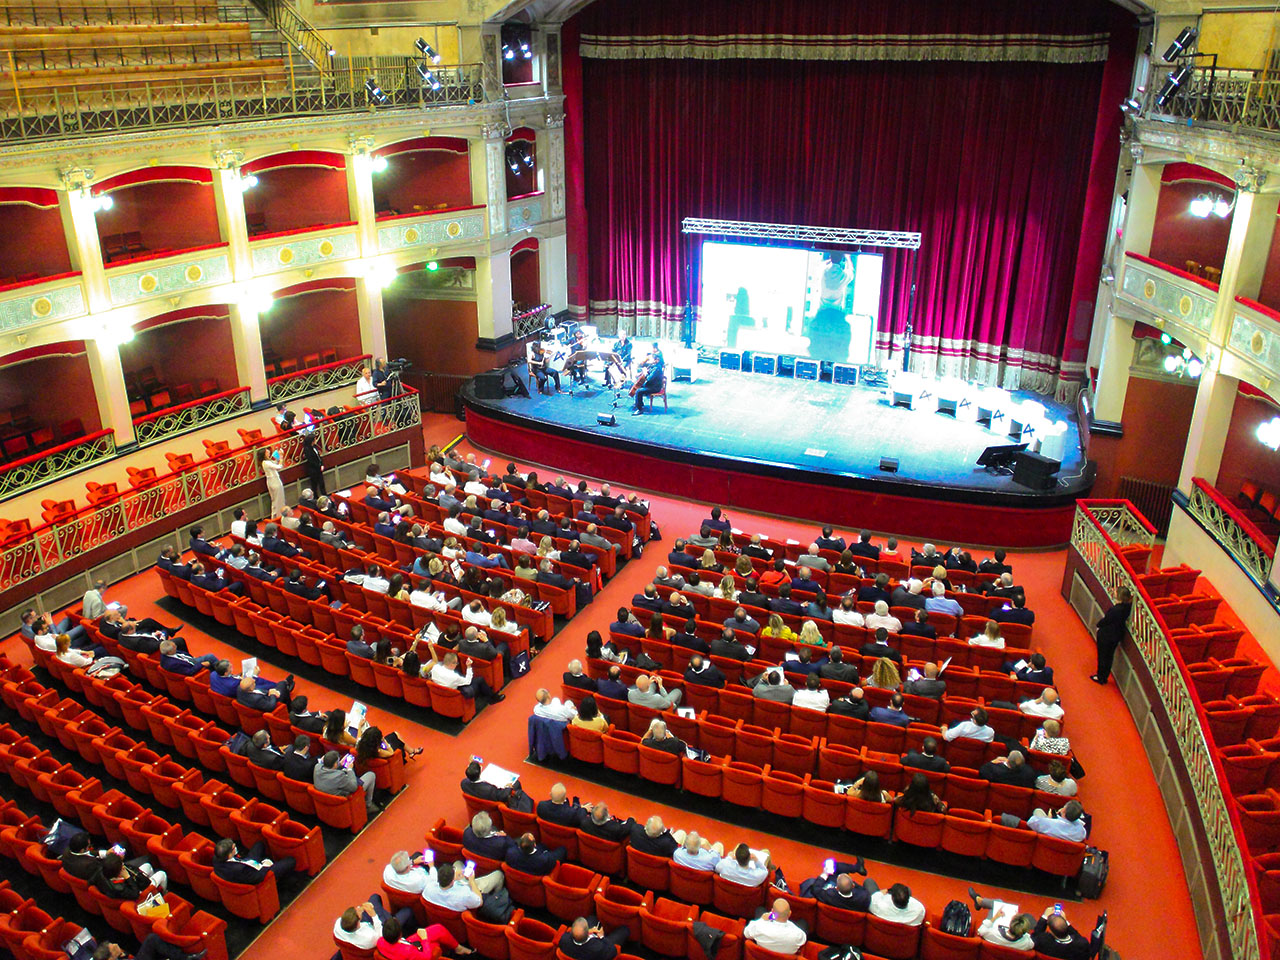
x: 246, y: 340
x: 360, y: 199
x: 489, y: 178
x: 373, y: 329
x: 1258, y: 211
x: 1113, y: 369
x: 553, y: 271
x: 229, y: 202
x: 81, y: 229
x: 109, y: 389
x: 1140, y: 212
x: 493, y: 300
x: 1215, y: 400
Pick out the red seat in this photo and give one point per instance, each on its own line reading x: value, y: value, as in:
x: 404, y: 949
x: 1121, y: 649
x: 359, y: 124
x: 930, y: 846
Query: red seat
x: 489, y: 939
x: 1011, y: 845
x: 783, y: 793
x: 525, y: 888
x: 529, y: 939
x: 918, y: 828
x: 869, y: 818
x: 618, y: 906
x: 894, y: 941
x: 648, y: 872
x: 605, y: 857
x: 835, y: 925
x: 664, y: 927
x: 736, y: 899
x: 622, y: 751
x: 1062, y: 858
x: 690, y: 885
x: 965, y: 832
x: 659, y: 766
x: 937, y: 945
x: 570, y: 890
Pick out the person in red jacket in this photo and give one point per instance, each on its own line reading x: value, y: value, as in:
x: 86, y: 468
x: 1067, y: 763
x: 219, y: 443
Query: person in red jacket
x: 427, y: 943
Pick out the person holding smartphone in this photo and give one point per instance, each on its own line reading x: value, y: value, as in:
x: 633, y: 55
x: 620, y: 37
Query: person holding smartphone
x: 585, y: 940
x: 456, y: 887
x: 335, y: 777
x: 775, y: 930
x: 836, y: 887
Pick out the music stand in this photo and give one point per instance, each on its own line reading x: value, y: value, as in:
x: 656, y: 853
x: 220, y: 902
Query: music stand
x: 999, y: 458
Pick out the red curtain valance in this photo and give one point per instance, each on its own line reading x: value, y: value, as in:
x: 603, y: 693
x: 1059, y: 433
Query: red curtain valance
x: 1180, y: 172
x: 296, y: 158
x: 38, y: 197
x: 154, y: 175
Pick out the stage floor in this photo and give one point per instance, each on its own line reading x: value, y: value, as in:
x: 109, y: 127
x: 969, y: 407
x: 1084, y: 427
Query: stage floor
x: 808, y: 427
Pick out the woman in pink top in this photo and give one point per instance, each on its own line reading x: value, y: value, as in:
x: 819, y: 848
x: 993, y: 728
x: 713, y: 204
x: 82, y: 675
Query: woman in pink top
x: 423, y: 945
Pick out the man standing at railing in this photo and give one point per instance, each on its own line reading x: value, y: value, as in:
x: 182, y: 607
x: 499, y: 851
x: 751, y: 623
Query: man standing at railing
x: 1111, y: 631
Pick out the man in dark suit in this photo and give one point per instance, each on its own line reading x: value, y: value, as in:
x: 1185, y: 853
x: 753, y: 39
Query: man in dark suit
x: 175, y: 661
x: 378, y: 501
x: 756, y: 549
x: 168, y: 561
x: 828, y: 541
x: 262, y: 753
x: 299, y: 587
x: 876, y: 591
x: 740, y: 621
x: 479, y: 837
x: 920, y: 626
x: 653, y: 838
x: 928, y: 685
x: 1013, y: 770
x: 618, y: 520
x: 1035, y: 671
x: 995, y: 564
x: 298, y: 764
x: 678, y: 557
x: 476, y: 644
x: 358, y: 645
x: 80, y: 859
x: 1003, y: 586
x: 585, y: 942
x: 717, y: 520
x: 836, y: 669
x: 574, y: 557
x: 727, y: 645
x: 559, y: 809
x: 214, y: 582
x: 648, y: 600
x: 574, y: 677
x: 704, y: 672
x: 308, y: 529
x: 383, y: 527
x: 250, y: 696
x: 851, y: 705
x: 273, y: 543
x: 864, y: 547
x: 199, y: 545
x: 611, y: 685
x: 909, y: 593
x: 879, y: 647
x: 1017, y: 613
x: 1111, y: 631
x: 312, y: 721
x: 808, y: 662
x: 752, y: 597
x: 926, y: 758
x: 473, y: 785
x: 601, y: 824
x: 894, y: 713
x: 588, y: 513
x: 527, y: 856
x: 784, y: 605
x: 688, y: 638
x: 251, y: 868
x: 837, y: 889
x: 132, y: 639
x: 543, y: 525
x: 548, y: 576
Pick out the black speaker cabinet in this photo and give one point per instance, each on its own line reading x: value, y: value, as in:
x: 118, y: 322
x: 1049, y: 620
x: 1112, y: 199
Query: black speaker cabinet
x: 889, y: 464
x: 1034, y: 471
x: 489, y: 385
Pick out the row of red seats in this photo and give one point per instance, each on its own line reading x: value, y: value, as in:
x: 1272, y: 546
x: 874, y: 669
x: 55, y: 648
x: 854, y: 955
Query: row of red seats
x: 329, y: 652
x: 967, y: 832
x: 30, y: 933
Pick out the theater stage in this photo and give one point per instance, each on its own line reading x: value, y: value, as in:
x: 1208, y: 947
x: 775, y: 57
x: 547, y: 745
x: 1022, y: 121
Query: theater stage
x: 793, y: 448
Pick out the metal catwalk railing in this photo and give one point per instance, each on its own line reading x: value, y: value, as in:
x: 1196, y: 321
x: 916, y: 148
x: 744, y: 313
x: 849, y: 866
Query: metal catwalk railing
x: 1100, y: 532
x: 297, y: 31
x: 64, y: 14
x: 164, y: 424
x: 1233, y: 99
x: 54, y: 113
x: 48, y: 547
x: 300, y: 383
x: 41, y: 468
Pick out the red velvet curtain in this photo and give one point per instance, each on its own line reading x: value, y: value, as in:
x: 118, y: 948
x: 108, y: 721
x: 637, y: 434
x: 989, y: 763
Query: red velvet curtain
x: 987, y: 160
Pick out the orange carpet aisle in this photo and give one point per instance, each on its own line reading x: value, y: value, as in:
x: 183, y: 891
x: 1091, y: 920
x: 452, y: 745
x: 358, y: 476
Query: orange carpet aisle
x: 1120, y: 790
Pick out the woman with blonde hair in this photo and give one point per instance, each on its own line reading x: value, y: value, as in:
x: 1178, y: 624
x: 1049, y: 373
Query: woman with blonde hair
x: 63, y: 652
x: 547, y: 548
x: 809, y: 634
x: 498, y: 621
x: 777, y: 629
x: 470, y: 505
x: 884, y: 675
x: 450, y: 548
x: 1049, y: 739
x: 709, y: 562
x: 728, y: 587
x: 989, y: 637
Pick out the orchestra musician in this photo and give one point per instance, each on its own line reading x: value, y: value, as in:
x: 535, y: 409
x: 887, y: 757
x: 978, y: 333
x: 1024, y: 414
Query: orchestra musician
x: 650, y: 379
x: 577, y: 369
x: 620, y: 361
x: 540, y: 367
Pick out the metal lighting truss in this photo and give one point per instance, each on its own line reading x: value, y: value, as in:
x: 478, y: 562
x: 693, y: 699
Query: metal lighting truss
x: 845, y: 236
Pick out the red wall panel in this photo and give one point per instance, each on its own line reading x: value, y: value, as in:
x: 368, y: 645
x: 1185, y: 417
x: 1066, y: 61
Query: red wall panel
x: 1178, y: 236
x: 439, y: 336
x: 185, y: 352
x: 1157, y: 415
x: 526, y: 284
x: 1269, y: 294
x: 294, y: 197
x: 1243, y: 456
x: 169, y: 215
x: 32, y: 241
x: 423, y: 180
x: 300, y: 325
x: 30, y: 383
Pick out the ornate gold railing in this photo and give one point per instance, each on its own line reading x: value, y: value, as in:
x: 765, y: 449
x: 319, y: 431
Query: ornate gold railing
x: 300, y: 383
x: 47, y: 547
x: 1092, y: 539
x: 164, y: 424
x: 1235, y: 532
x: 41, y: 468
x: 528, y: 323
x: 1226, y: 98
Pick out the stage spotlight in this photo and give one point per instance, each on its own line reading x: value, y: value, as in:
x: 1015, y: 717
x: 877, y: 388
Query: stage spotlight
x: 426, y: 50
x: 1201, y: 206
x: 1166, y: 339
x: 1172, y: 83
x: 257, y: 301
x: 248, y: 182
x: 433, y: 266
x: 101, y: 202
x: 1170, y: 363
x: 527, y: 160
x: 1194, y: 368
x: 333, y: 52
x: 508, y: 53
x: 378, y: 164
x: 606, y: 419
x: 1132, y: 105
x: 428, y: 77
x: 1222, y: 207
x: 374, y: 91
x: 1180, y: 44
x: 381, y: 273
x: 525, y: 51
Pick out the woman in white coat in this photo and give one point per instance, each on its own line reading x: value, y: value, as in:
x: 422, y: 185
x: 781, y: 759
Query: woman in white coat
x: 271, y: 468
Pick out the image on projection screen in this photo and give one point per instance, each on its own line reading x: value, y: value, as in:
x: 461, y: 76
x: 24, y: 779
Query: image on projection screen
x: 808, y: 303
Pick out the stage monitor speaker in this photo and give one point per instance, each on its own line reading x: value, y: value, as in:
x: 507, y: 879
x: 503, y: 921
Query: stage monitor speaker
x: 846, y: 373
x: 806, y: 369
x: 488, y: 385
x: 730, y: 360
x: 1034, y: 471
x: 764, y: 363
x: 786, y: 366
x: 889, y: 464
x: 606, y: 419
